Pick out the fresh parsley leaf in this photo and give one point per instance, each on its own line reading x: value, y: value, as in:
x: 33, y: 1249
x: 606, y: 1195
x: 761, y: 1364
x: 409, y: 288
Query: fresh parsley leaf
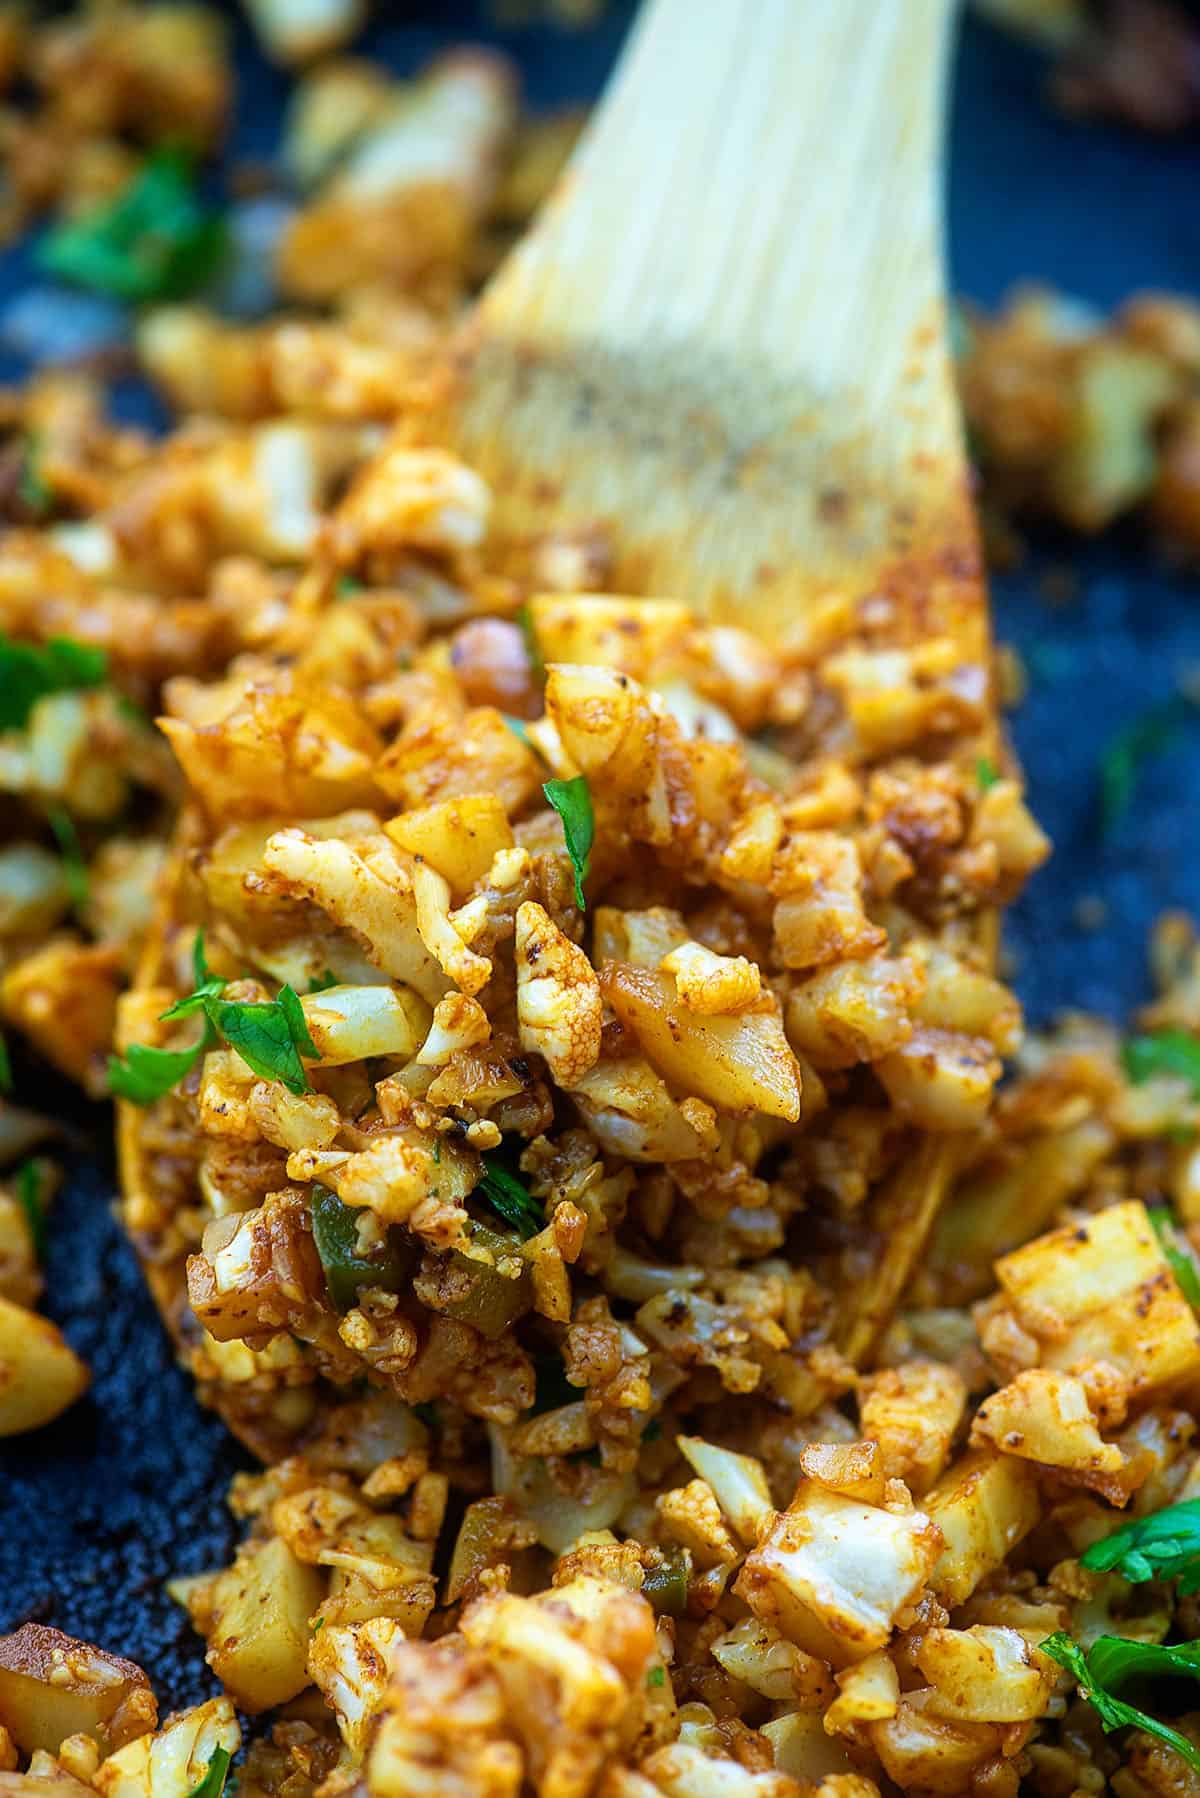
x: 1166, y: 1052
x: 213, y: 1783
x: 74, y: 866
x: 512, y: 1201
x: 156, y: 241
x: 262, y: 1033
x: 657, y: 1676
x: 32, y: 490
x: 143, y: 1075
x: 1165, y: 1545
x: 572, y: 800
x: 986, y: 774
x: 1122, y: 762
x: 29, y: 1195
x: 293, y: 1011
x: 29, y: 671
x: 6, y: 1073
x: 321, y: 983
x: 1112, y: 1659
x: 533, y: 648
x: 518, y: 729
x: 1179, y: 1258
x: 269, y: 1034
x: 335, y: 1233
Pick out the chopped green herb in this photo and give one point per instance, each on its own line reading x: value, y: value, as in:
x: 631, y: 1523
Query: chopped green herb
x: 208, y: 985
x: 518, y: 729
x: 1165, y: 1545
x: 533, y: 648
x: 74, y: 866
x: 30, y: 671
x: 666, y: 1585
x: 156, y: 241
x: 1178, y: 1256
x: 32, y: 490
x: 1166, y: 1052
x: 143, y: 1075
x: 29, y: 1195
x: 293, y: 1011
x: 512, y: 1201
x: 437, y: 1151
x: 986, y: 774
x: 269, y: 1034
x: 321, y: 983
x: 657, y: 1676
x: 213, y: 1783
x: 347, y: 1269
x: 346, y: 585
x: 6, y: 1073
x: 572, y: 800
x: 1122, y: 762
x: 1113, y: 1659
x: 262, y: 1033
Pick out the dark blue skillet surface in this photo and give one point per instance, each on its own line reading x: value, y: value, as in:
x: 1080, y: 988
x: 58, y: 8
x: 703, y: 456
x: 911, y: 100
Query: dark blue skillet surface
x: 99, y: 1509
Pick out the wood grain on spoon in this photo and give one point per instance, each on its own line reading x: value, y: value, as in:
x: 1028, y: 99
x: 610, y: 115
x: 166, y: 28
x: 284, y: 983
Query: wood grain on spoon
x: 725, y: 335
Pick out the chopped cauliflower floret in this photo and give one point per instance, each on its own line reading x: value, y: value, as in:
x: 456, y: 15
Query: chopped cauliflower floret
x: 712, y: 984
x: 172, y: 1762
x: 349, y: 1662
x: 558, y: 997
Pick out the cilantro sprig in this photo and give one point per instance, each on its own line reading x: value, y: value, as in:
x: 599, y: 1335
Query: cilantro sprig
x: 1165, y: 1545
x: 74, y: 867
x: 270, y: 1035
x: 156, y: 241
x: 509, y: 1199
x: 1179, y: 1257
x: 30, y: 671
x: 986, y: 774
x: 213, y: 1782
x: 572, y: 800
x: 29, y: 1197
x: 1113, y: 1659
x: 1164, y: 1052
x: 32, y: 488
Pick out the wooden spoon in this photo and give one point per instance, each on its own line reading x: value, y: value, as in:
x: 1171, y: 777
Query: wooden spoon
x: 725, y: 337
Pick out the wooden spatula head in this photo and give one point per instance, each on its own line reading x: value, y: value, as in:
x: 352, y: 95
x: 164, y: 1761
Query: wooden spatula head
x: 725, y: 337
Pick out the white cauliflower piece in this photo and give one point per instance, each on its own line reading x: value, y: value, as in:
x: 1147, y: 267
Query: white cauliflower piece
x: 366, y: 890
x: 171, y: 1762
x: 349, y: 1663
x: 407, y: 1177
x: 469, y: 972
x: 713, y: 985
x: 458, y: 1023
x: 559, y: 1008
